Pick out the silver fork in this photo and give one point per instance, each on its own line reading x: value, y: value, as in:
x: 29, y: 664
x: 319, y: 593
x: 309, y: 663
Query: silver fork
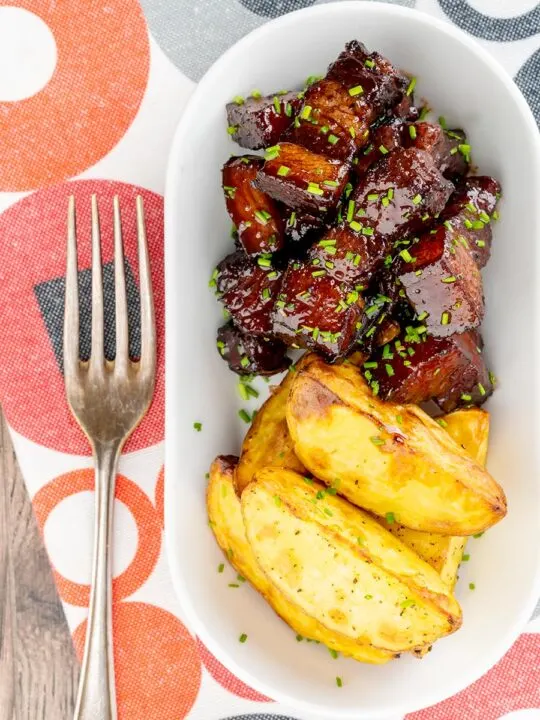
x: 108, y: 400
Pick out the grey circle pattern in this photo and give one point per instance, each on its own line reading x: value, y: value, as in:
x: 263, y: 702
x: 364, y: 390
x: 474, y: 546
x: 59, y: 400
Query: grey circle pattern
x: 528, y: 81
x: 194, y: 33
x: 492, y: 28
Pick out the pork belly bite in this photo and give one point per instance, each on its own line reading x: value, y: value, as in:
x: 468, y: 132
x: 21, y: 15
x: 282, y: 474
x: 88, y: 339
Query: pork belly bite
x: 251, y: 354
x: 397, y: 197
x: 248, y: 288
x: 256, y: 217
x: 315, y: 311
x: 417, y: 368
x: 470, y: 213
x: 301, y: 179
x: 442, y: 282
x: 257, y: 122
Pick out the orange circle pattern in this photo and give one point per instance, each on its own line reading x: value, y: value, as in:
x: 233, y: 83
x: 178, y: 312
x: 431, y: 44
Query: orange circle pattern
x: 103, y: 59
x: 157, y: 666
x: 144, y: 514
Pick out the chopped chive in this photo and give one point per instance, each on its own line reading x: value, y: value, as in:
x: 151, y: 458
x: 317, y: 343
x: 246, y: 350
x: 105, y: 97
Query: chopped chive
x: 306, y: 112
x: 324, y: 129
x: 472, y: 586
x: 288, y: 109
x: 478, y: 535
x: 442, y: 422
x: 390, y: 193
x: 383, y: 150
x: 232, y: 129
x: 445, y: 318
x: 332, y: 139
x: 407, y: 603
x: 371, y: 364
x: 492, y: 378
x: 449, y: 279
x: 367, y: 231
x: 318, y: 273
x: 283, y: 170
x: 406, y: 255
x: 369, y: 63
x: 277, y: 500
x: 390, y: 518
x: 197, y: 426
x: 314, y: 189
x: 481, y: 389
x: 272, y: 152
x: 466, y: 397
x: 330, y: 183
x: 277, y: 105
x: 356, y: 90
x: 244, y: 415
x: 368, y: 597
x: 385, y: 201
x: 339, y: 681
x: 264, y: 262
x: 412, y: 132
x: 372, y: 197
x: 242, y: 638
x: 262, y: 216
x: 238, y: 100
x: 417, y: 199
x: 354, y: 225
x: 465, y: 150
x: 411, y: 87
x: 350, y: 210
x: 234, y: 585
x: 389, y: 370
x: 352, y: 132
x: 399, y: 419
x: 376, y: 440
x: 466, y: 557
x: 244, y: 362
x: 256, y: 94
x: 299, y: 638
x: 442, y: 122
x: 326, y: 243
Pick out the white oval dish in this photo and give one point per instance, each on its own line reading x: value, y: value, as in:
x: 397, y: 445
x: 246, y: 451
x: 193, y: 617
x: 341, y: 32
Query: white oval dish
x: 463, y: 83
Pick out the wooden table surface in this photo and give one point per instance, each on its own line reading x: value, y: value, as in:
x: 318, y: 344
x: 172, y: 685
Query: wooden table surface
x: 38, y: 667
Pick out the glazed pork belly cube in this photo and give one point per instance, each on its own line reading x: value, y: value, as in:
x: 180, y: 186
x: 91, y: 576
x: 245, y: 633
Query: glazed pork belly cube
x: 301, y: 179
x: 248, y: 288
x: 469, y: 213
x: 396, y: 198
x: 442, y: 282
x: 256, y: 217
x: 258, y: 122
x: 417, y: 368
x: 332, y: 122
x: 251, y: 354
x: 448, y: 148
x: 315, y: 311
x: 382, y: 85
x: 443, y: 146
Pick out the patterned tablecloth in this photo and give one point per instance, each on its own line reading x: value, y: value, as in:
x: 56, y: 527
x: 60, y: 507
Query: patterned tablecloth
x: 90, y: 94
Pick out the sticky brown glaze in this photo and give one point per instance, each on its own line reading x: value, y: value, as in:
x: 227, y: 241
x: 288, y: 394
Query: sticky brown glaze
x: 248, y: 289
x: 442, y: 282
x: 315, y: 311
x: 259, y: 122
x: 303, y: 180
x: 398, y: 197
x: 470, y: 213
x: 251, y: 354
x: 301, y: 229
x: 417, y: 368
x: 256, y: 216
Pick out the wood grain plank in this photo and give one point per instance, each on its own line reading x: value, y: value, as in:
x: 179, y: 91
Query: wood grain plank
x: 45, y: 670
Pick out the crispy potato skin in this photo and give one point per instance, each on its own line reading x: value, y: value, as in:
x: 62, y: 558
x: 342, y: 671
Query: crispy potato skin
x: 268, y: 441
x: 225, y: 515
x: 375, y: 591
x: 388, y: 458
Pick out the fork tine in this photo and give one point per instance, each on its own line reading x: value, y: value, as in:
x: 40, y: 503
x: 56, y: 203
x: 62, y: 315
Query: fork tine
x: 96, y: 353
x: 71, y: 308
x: 148, y: 323
x: 122, y: 328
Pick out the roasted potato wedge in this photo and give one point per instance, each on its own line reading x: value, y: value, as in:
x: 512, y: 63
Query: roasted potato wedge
x: 268, y: 441
x: 393, y: 460
x: 470, y: 429
x: 341, y: 567
x: 225, y: 515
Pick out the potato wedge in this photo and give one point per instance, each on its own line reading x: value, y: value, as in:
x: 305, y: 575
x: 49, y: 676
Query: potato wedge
x: 341, y: 567
x: 391, y: 459
x: 469, y: 428
x: 225, y: 515
x: 268, y: 441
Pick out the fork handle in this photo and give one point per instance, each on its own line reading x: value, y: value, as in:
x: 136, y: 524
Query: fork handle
x: 96, y: 698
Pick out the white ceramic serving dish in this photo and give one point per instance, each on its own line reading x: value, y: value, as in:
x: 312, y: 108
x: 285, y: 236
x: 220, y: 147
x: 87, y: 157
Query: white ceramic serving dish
x: 463, y: 83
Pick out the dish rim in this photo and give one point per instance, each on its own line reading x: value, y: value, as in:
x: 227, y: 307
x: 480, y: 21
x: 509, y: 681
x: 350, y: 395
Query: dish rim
x: 197, y: 626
